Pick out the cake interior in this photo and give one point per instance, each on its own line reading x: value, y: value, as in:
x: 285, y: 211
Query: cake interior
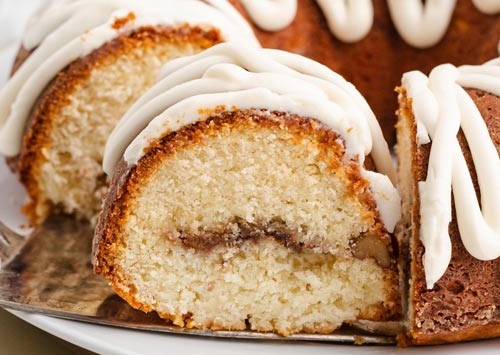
x: 406, y: 151
x: 252, y: 220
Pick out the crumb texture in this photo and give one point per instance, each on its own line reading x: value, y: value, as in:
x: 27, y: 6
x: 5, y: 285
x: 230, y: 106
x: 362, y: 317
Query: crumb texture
x: 79, y: 110
x: 265, y: 284
x: 258, y: 176
x: 249, y: 219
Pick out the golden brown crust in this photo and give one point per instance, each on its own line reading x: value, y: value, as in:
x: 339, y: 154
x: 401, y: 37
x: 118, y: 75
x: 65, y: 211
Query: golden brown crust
x: 58, y: 93
x: 463, y: 305
x: 376, y: 63
x: 122, y: 21
x: 128, y: 180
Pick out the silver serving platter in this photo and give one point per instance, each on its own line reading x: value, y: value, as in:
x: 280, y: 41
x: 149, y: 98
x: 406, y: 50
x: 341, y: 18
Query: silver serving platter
x: 49, y: 272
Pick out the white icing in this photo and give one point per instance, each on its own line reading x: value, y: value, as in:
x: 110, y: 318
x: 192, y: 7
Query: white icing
x: 69, y: 30
x: 487, y: 6
x: 442, y: 107
x: 420, y: 25
x: 271, y: 15
x: 349, y: 20
x: 422, y: 134
x: 236, y: 77
x: 387, y: 201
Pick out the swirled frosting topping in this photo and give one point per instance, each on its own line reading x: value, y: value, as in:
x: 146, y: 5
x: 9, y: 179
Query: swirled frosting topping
x: 442, y: 107
x: 420, y: 23
x: 238, y: 78
x: 68, y: 30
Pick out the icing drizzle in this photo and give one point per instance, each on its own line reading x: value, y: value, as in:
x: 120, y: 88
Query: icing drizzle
x: 236, y: 77
x: 441, y: 107
x: 420, y: 25
x: 69, y: 30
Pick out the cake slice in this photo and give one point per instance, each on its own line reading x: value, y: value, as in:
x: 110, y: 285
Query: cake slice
x: 448, y: 146
x: 251, y: 191
x: 82, y: 64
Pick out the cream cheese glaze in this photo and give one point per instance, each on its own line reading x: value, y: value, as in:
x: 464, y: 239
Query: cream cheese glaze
x: 421, y: 24
x: 441, y: 107
x: 69, y: 30
x: 237, y: 77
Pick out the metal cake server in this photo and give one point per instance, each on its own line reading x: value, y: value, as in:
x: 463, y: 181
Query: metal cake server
x: 49, y: 272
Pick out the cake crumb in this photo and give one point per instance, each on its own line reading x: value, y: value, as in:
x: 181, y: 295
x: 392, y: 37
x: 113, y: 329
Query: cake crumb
x: 122, y: 21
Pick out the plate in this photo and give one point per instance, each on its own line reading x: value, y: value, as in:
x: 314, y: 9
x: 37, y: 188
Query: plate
x: 118, y: 341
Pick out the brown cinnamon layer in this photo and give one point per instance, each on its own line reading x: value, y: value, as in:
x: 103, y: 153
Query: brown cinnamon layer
x: 239, y: 231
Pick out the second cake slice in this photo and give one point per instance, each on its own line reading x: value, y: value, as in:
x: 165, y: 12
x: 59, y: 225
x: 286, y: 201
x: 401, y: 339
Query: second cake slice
x: 246, y: 195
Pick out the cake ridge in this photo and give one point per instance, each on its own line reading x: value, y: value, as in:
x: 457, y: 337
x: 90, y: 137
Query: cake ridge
x: 442, y: 108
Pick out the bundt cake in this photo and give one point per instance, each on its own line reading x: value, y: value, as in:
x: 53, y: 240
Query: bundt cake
x: 82, y: 64
x: 448, y: 151
x: 253, y: 188
x: 251, y: 191
x: 373, y: 42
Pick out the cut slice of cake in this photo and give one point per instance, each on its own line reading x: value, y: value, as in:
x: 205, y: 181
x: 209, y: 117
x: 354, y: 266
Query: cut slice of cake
x: 251, y: 192
x: 448, y: 146
x: 82, y: 65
